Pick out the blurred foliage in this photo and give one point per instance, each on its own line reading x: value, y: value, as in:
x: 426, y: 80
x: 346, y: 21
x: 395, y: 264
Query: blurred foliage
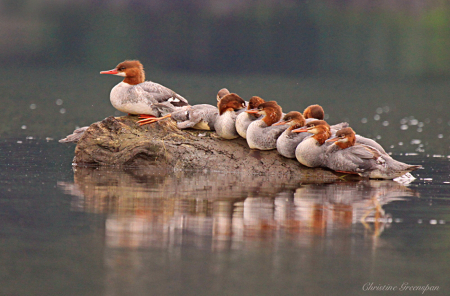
x: 292, y: 37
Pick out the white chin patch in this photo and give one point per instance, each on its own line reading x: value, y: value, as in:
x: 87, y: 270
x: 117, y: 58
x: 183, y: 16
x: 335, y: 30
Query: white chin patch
x: 121, y: 74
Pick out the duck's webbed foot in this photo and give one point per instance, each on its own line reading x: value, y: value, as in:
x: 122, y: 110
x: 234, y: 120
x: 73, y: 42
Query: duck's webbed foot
x: 147, y: 119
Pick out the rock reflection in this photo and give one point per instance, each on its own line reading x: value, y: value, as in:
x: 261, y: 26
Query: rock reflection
x: 223, y: 211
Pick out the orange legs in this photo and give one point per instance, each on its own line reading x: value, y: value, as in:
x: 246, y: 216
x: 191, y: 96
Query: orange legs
x: 147, y: 119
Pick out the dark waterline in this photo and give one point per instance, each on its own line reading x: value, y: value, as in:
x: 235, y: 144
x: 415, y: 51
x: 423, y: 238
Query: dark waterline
x: 135, y: 232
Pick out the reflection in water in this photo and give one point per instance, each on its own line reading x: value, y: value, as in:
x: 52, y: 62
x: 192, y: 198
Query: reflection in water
x: 222, y: 211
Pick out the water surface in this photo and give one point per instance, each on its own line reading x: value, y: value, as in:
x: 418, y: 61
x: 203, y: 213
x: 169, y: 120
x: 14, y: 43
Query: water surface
x: 88, y: 231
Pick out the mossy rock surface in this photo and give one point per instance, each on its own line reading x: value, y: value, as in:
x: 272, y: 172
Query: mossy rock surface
x: 120, y: 141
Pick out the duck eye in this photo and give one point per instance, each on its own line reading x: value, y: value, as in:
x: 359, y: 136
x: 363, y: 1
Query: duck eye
x: 122, y: 68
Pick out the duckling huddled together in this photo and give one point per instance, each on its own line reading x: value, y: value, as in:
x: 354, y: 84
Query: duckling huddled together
x: 304, y: 136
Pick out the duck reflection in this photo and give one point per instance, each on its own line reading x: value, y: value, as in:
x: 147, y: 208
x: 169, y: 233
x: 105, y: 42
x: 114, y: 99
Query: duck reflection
x: 223, y: 211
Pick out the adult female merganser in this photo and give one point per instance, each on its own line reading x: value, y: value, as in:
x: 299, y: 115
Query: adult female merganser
x: 347, y: 156
x: 134, y: 95
x: 261, y: 134
x: 311, y: 151
x: 225, y: 124
x: 244, y: 119
x: 288, y: 141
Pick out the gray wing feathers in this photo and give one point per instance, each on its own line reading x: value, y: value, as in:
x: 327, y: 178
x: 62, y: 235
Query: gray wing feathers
x: 157, y: 92
x: 370, y: 142
x: 339, y: 126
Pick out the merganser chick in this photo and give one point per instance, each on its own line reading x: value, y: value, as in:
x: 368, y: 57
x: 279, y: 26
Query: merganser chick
x: 314, y: 111
x: 225, y: 124
x: 288, y: 141
x: 134, y: 95
x: 261, y: 134
x: 310, y: 122
x: 244, y: 119
x: 311, y: 151
x: 201, y: 117
x: 336, y: 127
x: 220, y: 94
x: 347, y: 156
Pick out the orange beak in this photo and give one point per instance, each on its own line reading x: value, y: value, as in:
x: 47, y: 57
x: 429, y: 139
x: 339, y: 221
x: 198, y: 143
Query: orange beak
x: 252, y: 111
x: 335, y: 139
x: 113, y: 71
x: 280, y: 123
x: 300, y: 130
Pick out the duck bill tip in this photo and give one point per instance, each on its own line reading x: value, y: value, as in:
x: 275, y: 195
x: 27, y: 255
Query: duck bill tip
x: 113, y: 71
x: 302, y: 130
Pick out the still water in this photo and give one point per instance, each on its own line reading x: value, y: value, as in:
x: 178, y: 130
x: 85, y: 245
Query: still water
x: 87, y: 231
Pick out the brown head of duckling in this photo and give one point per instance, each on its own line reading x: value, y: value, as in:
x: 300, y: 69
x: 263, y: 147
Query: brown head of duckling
x: 314, y: 111
x: 254, y: 102
x: 272, y: 112
x: 294, y: 119
x: 318, y: 122
x: 345, y: 138
x: 321, y: 133
x: 221, y: 93
x: 230, y: 102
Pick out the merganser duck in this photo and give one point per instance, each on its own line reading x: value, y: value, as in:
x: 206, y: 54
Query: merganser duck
x: 261, y: 134
x: 244, y: 119
x: 314, y: 111
x: 221, y: 93
x: 311, y: 122
x: 201, y: 117
x: 347, y: 156
x: 134, y: 95
x: 311, y: 151
x: 288, y: 141
x: 339, y: 126
x: 225, y: 124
